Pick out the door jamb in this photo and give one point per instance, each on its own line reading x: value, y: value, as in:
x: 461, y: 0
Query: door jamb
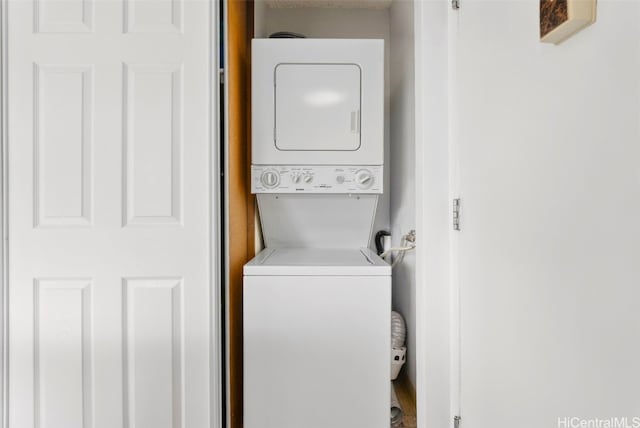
x: 216, y: 213
x: 435, y: 287
x: 4, y: 414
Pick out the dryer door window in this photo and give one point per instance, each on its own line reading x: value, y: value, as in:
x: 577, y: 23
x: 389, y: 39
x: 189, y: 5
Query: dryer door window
x: 317, y: 107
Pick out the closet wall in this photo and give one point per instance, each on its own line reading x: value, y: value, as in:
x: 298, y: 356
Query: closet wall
x: 402, y: 163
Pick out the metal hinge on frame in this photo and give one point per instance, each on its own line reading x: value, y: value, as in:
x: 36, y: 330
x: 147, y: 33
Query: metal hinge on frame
x: 455, y: 4
x: 456, y: 214
x: 456, y: 421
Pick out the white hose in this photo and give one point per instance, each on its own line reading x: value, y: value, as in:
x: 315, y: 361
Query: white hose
x: 397, y: 249
x: 407, y: 244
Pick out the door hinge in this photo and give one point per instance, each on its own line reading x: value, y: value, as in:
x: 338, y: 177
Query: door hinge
x: 221, y: 75
x: 456, y: 214
x: 455, y: 4
x: 456, y: 421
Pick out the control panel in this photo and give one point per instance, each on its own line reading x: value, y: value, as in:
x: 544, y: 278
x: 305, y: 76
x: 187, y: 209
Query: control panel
x: 316, y: 179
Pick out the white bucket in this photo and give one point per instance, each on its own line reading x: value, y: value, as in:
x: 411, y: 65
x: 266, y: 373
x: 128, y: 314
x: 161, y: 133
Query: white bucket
x: 398, y: 358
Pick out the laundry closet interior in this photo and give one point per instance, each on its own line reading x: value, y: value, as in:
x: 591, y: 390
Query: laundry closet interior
x: 392, y: 24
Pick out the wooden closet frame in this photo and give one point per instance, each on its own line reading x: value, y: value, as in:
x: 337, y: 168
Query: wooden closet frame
x: 241, y: 211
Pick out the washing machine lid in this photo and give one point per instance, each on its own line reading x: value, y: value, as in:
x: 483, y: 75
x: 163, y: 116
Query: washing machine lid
x: 317, y: 220
x: 317, y: 262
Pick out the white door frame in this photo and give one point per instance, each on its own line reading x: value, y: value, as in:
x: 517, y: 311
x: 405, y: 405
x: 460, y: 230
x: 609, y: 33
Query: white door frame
x: 436, y: 295
x: 3, y: 215
x: 215, y: 220
x: 217, y: 247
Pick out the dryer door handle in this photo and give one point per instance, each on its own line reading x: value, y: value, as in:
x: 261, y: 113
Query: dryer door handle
x: 355, y: 121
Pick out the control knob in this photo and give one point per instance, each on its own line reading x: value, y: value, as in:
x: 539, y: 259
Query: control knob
x: 364, y: 179
x: 270, y: 178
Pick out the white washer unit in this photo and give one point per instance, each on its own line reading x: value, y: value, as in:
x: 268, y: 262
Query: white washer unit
x: 317, y: 301
x: 316, y: 339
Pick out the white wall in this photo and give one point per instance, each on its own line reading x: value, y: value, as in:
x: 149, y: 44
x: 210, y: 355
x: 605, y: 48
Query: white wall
x: 402, y: 166
x: 549, y: 151
x: 337, y: 23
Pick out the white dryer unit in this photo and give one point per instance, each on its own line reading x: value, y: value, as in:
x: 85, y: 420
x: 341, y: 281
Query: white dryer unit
x: 316, y: 339
x: 317, y: 102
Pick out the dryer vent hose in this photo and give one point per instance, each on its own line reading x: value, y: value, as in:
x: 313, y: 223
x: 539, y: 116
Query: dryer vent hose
x: 396, y: 409
x: 398, y: 330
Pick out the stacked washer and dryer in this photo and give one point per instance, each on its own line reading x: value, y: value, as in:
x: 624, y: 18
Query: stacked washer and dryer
x: 317, y: 301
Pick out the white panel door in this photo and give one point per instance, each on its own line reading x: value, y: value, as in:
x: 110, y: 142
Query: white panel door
x: 111, y: 296
x: 549, y: 263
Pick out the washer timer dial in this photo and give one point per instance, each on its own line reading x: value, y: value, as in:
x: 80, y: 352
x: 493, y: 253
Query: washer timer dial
x: 364, y: 179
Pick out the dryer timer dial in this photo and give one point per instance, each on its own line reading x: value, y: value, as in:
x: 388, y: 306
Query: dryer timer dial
x: 270, y: 178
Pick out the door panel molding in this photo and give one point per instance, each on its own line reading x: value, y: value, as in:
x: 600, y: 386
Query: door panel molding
x: 56, y: 191
x: 163, y: 82
x: 42, y: 24
x: 153, y: 308
x: 63, y: 334
x: 173, y: 10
